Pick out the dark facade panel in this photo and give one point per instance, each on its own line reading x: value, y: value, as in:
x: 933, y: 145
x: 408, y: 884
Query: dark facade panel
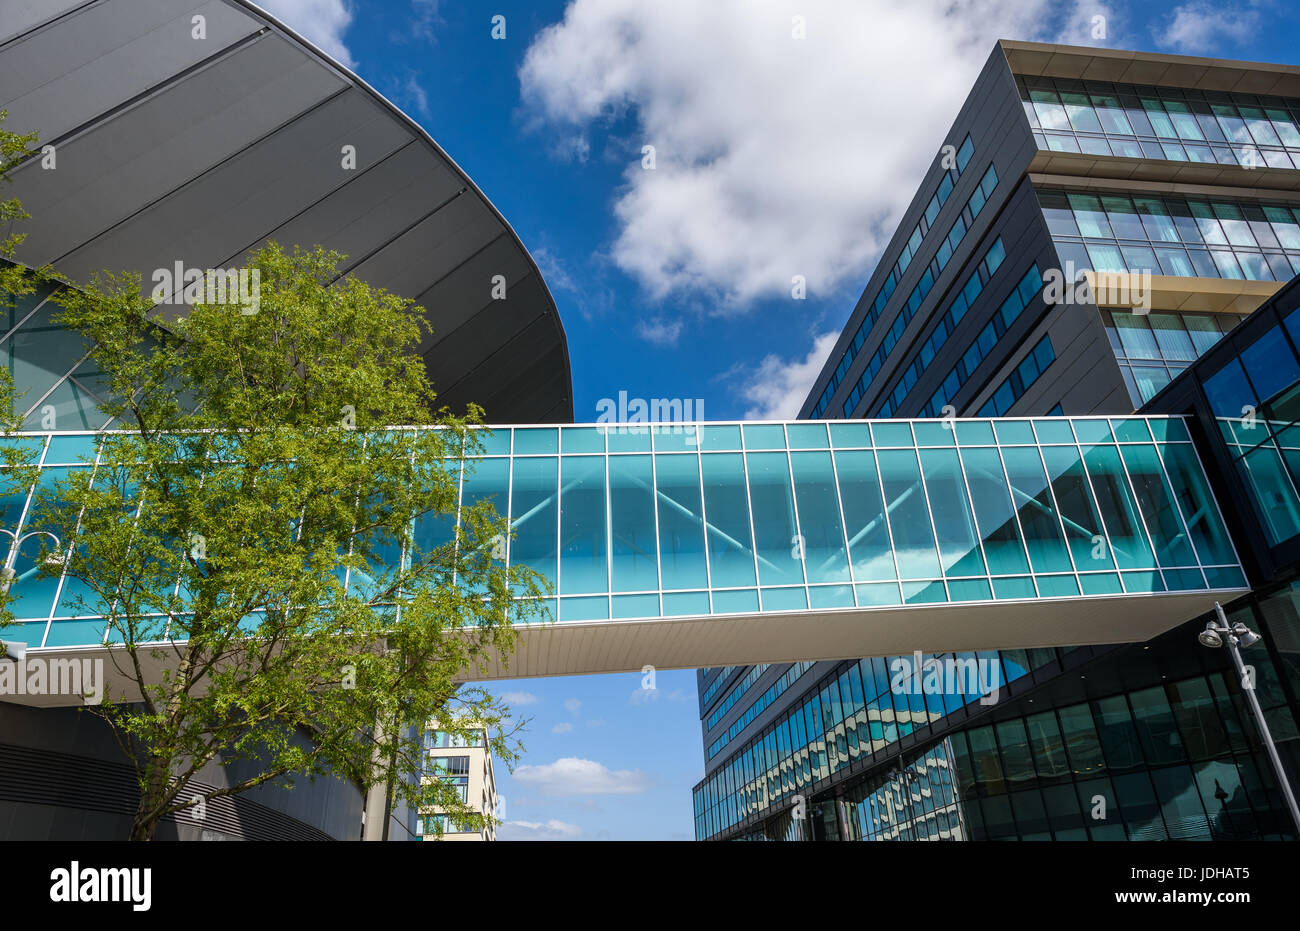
x: 172, y: 148
x: 98, y: 58
x: 153, y: 149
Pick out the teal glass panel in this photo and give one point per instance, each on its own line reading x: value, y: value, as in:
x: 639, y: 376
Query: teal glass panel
x: 1272, y: 492
x: 764, y: 436
x: 1184, y: 580
x: 807, y: 435
x: 1037, y: 511
x: 1170, y: 429
x: 681, y: 526
x: 924, y: 593
x: 675, y: 439
x: 726, y: 512
x: 1079, y: 517
x: 1225, y: 578
x: 633, y: 548
x: 1053, y: 431
x: 1092, y: 431
x: 434, y: 530
x: 719, y: 437
x: 1057, y: 586
x: 864, y: 516
x: 1131, y: 430
x: 627, y: 439
x: 682, y: 604
x: 1142, y: 581
x: 534, y: 440
x: 1101, y: 583
x: 934, y: 433
x: 740, y: 601
x: 994, y: 513
x: 67, y: 633
x: 878, y: 593
x: 78, y: 598
x: 492, y: 442
x: 909, y: 514
x: 775, y: 531
x: 584, y: 609
x: 784, y: 599
x: 583, y: 564
x: 825, y: 559
x: 582, y: 440
x: 954, y: 523
x: 892, y: 434
x: 1158, y: 505
x: 42, y: 352
x: 1119, y: 511
x: 975, y: 433
x: 850, y: 435
x: 830, y: 596
x: 534, y: 515
x: 1021, y: 586
x: 67, y: 407
x: 1014, y: 432
x: 32, y: 594
x: 635, y: 606
x: 70, y: 450
x: 969, y: 590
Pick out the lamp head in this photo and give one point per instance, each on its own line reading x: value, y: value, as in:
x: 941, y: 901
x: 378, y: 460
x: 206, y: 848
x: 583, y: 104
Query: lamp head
x: 1245, y: 636
x: 1210, y: 637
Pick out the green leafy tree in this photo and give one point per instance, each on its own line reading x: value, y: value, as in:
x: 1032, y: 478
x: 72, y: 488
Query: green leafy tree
x: 16, y: 461
x: 251, y: 462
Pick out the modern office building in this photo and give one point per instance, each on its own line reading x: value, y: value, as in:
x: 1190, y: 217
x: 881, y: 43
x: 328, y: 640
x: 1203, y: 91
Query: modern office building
x: 466, y: 765
x: 1031, y: 551
x: 1169, y: 186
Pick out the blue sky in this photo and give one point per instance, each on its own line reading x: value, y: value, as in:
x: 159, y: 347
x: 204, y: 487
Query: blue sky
x: 776, y: 156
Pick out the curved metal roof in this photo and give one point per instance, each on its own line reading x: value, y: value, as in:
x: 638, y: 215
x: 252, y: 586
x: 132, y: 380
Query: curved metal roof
x: 174, y: 148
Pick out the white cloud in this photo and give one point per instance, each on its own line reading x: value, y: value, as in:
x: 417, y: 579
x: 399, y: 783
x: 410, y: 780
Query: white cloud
x: 1091, y: 22
x: 1200, y: 27
x: 574, y: 776
x: 552, y: 829
x: 426, y: 17
x: 320, y: 22
x: 659, y: 331
x: 520, y: 698
x: 776, y: 388
x: 572, y: 705
x: 564, y: 727
x: 413, y: 92
x: 775, y: 156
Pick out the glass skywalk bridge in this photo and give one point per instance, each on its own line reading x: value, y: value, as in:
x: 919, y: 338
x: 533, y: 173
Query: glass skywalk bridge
x: 727, y: 543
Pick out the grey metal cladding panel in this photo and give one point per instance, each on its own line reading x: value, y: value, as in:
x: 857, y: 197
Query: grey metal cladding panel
x: 536, y: 392
x: 467, y: 290
x: 432, y: 249
x: 497, y: 329
x: 236, y: 204
x: 131, y: 160
x: 370, y: 209
x: 18, y: 16
x: 100, y: 57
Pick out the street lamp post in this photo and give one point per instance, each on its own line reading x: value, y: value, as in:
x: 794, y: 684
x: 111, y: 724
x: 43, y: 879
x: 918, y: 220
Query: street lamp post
x: 1236, y: 636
